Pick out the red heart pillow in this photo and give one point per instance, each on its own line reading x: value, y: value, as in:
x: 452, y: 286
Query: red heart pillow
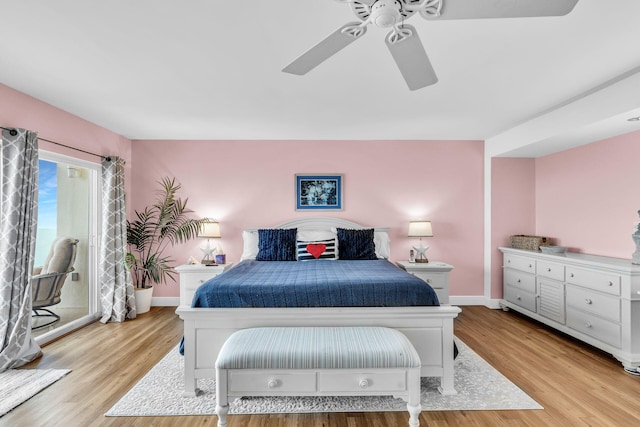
x: 316, y: 249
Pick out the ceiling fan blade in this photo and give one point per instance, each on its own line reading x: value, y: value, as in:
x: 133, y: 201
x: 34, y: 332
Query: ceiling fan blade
x: 485, y: 9
x: 412, y: 59
x: 328, y: 47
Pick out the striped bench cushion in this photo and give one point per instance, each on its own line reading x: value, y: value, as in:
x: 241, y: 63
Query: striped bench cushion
x: 317, y: 348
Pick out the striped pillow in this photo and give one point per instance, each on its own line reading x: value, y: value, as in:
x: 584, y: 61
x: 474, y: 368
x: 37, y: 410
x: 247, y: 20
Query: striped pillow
x: 316, y: 249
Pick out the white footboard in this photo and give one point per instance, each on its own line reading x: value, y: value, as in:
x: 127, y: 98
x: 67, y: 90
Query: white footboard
x: 430, y: 330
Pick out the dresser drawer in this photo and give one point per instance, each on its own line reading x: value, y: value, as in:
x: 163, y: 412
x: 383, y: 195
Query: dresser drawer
x: 599, y: 281
x: 606, y: 306
x: 520, y: 263
x: 550, y: 270
x: 600, y: 329
x: 251, y: 381
x: 520, y: 280
x: 519, y: 297
x: 362, y: 382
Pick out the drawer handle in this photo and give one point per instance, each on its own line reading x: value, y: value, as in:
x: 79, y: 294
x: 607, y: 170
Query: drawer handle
x: 364, y: 384
x: 508, y: 261
x: 588, y: 325
x: 429, y: 281
x: 530, y: 265
x: 571, y: 275
x: 548, y: 269
x: 273, y: 383
x: 518, y: 297
x: 519, y: 281
x: 610, y: 283
x: 200, y: 281
x: 588, y: 301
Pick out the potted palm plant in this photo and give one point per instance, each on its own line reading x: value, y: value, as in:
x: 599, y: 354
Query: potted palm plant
x: 165, y: 222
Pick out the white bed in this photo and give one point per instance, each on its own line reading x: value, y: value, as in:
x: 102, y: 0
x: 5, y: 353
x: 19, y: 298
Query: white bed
x: 429, y: 328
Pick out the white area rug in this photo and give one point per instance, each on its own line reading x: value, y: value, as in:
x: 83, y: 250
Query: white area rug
x: 19, y: 385
x: 479, y: 386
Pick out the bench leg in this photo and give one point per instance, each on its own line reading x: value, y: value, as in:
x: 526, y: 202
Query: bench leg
x: 222, y: 400
x: 413, y: 401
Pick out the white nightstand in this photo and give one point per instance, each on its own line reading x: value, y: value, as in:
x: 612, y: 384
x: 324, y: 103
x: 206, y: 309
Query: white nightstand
x: 435, y: 273
x: 194, y: 275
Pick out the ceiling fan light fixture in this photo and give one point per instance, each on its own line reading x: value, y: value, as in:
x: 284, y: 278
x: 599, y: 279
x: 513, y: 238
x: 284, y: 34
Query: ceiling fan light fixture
x: 385, y: 13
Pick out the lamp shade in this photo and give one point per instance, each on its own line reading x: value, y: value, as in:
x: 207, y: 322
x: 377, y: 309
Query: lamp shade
x: 420, y: 229
x: 209, y: 229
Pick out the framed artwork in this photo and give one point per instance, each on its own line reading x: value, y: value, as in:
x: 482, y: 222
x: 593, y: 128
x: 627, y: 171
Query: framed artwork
x: 318, y: 192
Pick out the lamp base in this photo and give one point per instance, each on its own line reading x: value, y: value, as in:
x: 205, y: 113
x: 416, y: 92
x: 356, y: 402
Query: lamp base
x: 422, y: 260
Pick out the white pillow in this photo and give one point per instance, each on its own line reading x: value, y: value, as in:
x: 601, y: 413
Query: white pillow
x: 382, y: 242
x: 250, y: 245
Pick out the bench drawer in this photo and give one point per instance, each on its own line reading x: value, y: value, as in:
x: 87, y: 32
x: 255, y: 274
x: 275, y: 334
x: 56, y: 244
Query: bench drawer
x: 336, y: 381
x: 253, y: 382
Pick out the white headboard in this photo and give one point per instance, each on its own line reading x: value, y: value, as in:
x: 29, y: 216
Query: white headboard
x: 324, y: 223
x: 381, y: 238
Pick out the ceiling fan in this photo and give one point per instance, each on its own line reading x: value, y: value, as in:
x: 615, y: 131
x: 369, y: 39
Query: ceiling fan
x: 403, y: 41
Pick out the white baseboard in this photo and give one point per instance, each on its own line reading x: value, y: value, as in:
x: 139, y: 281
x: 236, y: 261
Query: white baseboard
x: 165, y: 301
x: 475, y: 300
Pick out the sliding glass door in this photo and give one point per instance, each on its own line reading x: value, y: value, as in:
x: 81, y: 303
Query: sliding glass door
x: 68, y: 206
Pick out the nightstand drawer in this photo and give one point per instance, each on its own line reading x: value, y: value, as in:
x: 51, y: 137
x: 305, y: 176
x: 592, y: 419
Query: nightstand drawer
x: 193, y: 281
x: 194, y: 276
x: 435, y: 280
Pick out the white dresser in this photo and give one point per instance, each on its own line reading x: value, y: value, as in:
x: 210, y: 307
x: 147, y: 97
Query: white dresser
x: 436, y: 274
x: 592, y: 298
x: 194, y: 275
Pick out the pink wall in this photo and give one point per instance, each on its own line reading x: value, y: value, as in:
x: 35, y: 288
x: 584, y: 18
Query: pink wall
x: 587, y: 198
x: 386, y: 183
x: 512, y: 208
x: 22, y: 111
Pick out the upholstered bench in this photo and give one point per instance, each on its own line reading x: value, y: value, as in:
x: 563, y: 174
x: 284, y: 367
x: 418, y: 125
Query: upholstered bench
x: 318, y: 361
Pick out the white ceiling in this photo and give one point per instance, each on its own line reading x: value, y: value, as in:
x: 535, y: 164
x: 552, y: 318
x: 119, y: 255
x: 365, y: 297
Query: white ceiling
x: 207, y: 69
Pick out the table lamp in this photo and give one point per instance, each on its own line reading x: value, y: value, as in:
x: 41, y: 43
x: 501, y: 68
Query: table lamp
x: 420, y: 229
x: 209, y: 229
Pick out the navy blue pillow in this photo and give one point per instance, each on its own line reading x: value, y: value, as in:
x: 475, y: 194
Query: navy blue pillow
x: 356, y: 244
x: 277, y: 244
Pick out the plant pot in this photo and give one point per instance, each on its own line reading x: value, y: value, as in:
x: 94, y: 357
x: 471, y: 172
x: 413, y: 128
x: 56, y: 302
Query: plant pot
x: 143, y: 299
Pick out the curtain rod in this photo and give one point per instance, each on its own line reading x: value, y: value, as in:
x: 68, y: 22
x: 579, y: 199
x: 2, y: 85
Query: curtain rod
x: 14, y: 132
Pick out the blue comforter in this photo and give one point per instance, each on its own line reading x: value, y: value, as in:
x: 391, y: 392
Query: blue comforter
x: 321, y: 283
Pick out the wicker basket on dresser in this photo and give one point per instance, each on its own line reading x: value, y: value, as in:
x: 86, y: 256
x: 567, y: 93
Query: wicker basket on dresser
x: 592, y: 298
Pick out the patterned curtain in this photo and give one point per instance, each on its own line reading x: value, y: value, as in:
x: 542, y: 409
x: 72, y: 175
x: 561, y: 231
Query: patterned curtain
x: 116, y: 286
x: 19, y: 214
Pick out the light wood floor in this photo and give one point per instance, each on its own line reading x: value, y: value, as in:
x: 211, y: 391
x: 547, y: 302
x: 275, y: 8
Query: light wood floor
x: 576, y: 384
